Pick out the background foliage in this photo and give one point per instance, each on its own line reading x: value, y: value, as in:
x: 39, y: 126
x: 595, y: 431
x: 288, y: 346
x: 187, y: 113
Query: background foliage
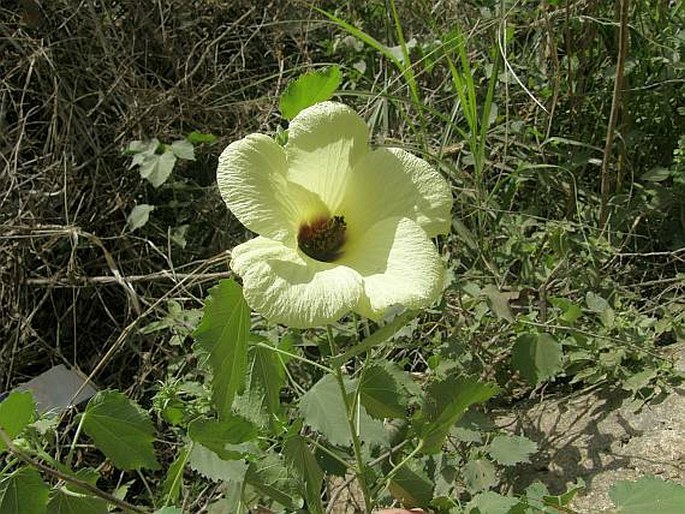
x: 112, y: 117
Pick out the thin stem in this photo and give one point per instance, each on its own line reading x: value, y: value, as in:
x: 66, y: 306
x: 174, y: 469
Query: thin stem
x: 404, y: 461
x: 19, y: 454
x: 356, y: 444
x: 295, y: 356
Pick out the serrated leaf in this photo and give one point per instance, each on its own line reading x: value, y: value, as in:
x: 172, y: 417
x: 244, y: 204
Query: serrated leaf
x: 537, y: 357
x: 490, y: 502
x: 23, y: 491
x: 16, y: 412
x: 223, y: 333
x: 272, y: 478
x: 411, y: 486
x: 479, y: 475
x: 171, y: 487
x: 648, y: 494
x: 380, y: 393
x: 445, y: 402
x: 183, y: 149
x: 139, y: 216
x: 210, y: 465
x: 218, y: 436
x: 65, y: 501
x: 308, y: 89
x: 323, y: 409
x: 298, y: 455
x: 121, y: 430
x: 261, y: 401
x: 197, y: 138
x: 511, y: 449
x: 156, y: 168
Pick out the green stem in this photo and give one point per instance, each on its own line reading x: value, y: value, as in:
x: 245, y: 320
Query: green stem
x: 356, y: 444
x: 295, y: 356
x: 404, y: 461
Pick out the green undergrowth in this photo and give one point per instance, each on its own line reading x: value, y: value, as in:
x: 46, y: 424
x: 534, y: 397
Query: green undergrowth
x: 510, y: 101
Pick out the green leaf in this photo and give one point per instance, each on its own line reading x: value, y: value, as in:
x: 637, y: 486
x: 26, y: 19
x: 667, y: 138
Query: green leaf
x: 222, y: 333
x: 171, y: 487
x: 491, y: 502
x: 198, y: 138
x: 122, y: 430
x: 23, y: 491
x: 139, y: 216
x: 600, y: 306
x: 183, y: 149
x: 648, y: 494
x: 16, y: 412
x: 380, y: 393
x: 479, y: 475
x: 298, y: 455
x: 65, y: 501
x: 657, y: 174
x: 261, y: 401
x: 308, y: 89
x: 212, y: 466
x: 323, y: 409
x: 511, y: 449
x: 498, y: 303
x: 156, y: 168
x: 216, y: 435
x: 445, y: 402
x: 411, y: 486
x: 272, y: 478
x: 169, y: 510
x: 537, y: 357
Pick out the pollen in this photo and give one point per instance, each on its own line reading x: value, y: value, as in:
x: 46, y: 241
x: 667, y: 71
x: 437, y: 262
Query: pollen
x: 323, y: 238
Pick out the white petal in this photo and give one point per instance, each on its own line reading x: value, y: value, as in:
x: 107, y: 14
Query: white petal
x: 286, y: 286
x: 252, y: 180
x: 390, y: 182
x: 325, y: 142
x: 399, y: 265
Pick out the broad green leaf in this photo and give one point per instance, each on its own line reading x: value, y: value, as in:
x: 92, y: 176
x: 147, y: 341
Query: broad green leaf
x: 490, y: 502
x: 121, y: 430
x: 411, y: 486
x: 479, y: 475
x: 298, y: 455
x: 231, y: 501
x: 380, y: 393
x: 271, y: 477
x: 23, y: 491
x: 171, y: 487
x: 210, y: 465
x: 308, y: 89
x: 537, y: 357
x: 446, y: 401
x: 261, y: 401
x: 156, y: 168
x: 197, y: 138
x: 219, y: 435
x: 16, y: 412
x: 183, y: 149
x: 65, y: 501
x: 223, y: 335
x: 323, y: 409
x: 511, y: 449
x: 139, y: 216
x: 648, y: 494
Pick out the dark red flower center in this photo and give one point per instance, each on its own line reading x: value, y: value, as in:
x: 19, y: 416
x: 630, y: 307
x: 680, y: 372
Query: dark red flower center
x: 322, y: 238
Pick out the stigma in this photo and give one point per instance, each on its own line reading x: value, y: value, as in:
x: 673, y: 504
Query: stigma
x: 323, y: 238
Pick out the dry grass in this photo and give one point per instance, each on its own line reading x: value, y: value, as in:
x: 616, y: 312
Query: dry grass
x: 80, y: 79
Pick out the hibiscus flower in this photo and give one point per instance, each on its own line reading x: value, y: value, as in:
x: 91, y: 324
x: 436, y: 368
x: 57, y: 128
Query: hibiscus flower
x: 341, y: 227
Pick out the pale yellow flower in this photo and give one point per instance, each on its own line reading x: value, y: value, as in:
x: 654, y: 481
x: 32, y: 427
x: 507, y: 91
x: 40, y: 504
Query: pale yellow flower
x: 340, y: 227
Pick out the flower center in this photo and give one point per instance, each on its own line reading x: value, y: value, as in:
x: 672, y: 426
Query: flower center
x: 322, y: 238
